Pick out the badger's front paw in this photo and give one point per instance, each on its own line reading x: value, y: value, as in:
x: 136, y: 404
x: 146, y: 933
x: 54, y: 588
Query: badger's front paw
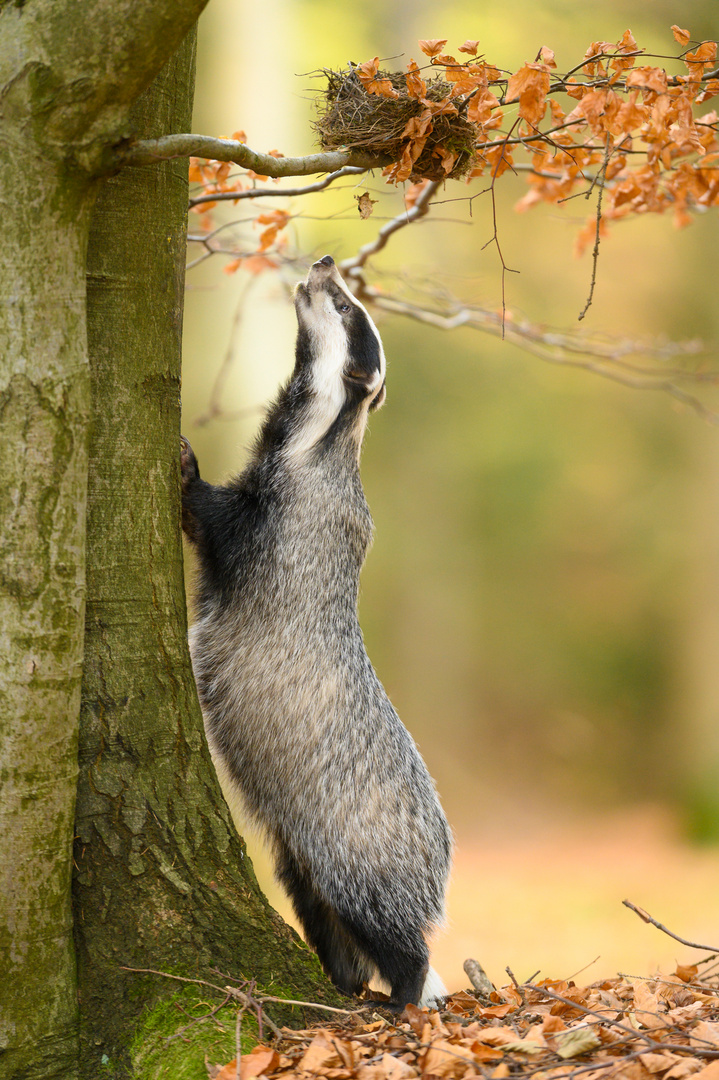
x: 189, y: 469
x: 190, y: 474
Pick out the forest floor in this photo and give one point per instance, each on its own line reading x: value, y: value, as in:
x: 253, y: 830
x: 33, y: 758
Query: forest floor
x: 592, y: 991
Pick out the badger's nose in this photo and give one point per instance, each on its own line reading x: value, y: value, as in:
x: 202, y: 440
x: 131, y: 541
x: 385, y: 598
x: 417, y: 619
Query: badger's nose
x: 327, y: 260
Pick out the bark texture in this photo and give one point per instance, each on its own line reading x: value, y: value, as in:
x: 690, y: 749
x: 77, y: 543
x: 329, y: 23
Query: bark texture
x: 162, y: 878
x: 68, y: 73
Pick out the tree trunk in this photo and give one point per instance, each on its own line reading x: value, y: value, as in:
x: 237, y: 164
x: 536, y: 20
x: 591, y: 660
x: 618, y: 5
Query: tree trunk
x: 44, y: 404
x: 162, y: 878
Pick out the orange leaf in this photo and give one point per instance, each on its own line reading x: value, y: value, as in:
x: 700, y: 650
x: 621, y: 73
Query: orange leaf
x: 481, y: 106
x: 381, y: 87
x: 682, y: 36
x: 228, y: 1072
x: 369, y: 69
x: 416, y: 86
x: 447, y: 157
x: 546, y: 56
x: 432, y: 46
x: 239, y: 136
x: 257, y: 264
x: 531, y: 85
x: 417, y: 126
x: 413, y: 193
x: 231, y: 267
x: 274, y: 217
x: 706, y: 53
x: 261, y: 1059
x: 650, y: 78
x: 469, y: 47
x: 268, y: 237
x: 367, y: 75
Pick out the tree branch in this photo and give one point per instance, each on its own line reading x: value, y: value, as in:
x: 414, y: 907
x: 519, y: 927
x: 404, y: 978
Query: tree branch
x: 264, y: 193
x: 148, y: 151
x: 551, y: 347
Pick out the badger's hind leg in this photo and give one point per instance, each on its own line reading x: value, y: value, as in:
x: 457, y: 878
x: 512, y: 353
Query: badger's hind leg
x: 337, y: 949
x: 401, y: 962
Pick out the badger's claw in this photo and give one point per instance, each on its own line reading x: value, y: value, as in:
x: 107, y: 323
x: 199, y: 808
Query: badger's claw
x: 189, y: 469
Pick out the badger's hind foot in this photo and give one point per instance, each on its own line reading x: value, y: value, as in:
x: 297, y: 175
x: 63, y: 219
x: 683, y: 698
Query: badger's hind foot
x: 337, y: 949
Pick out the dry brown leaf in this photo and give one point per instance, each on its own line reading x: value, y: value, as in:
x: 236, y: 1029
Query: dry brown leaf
x: 546, y: 56
x: 416, y: 86
x: 576, y: 1041
x: 531, y: 85
x: 321, y: 1054
x: 365, y: 204
x: 685, y: 1067
x: 682, y: 36
x: 648, y: 1007
x: 446, y: 1059
x: 387, y: 1068
x: 469, y: 47
x: 709, y: 1072
x: 432, y: 46
x: 227, y: 1072
x: 658, y: 1063
x: 705, y: 1033
x: 261, y: 1059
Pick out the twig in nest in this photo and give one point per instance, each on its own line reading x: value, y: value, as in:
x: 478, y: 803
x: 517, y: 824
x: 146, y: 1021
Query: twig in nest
x: 647, y: 918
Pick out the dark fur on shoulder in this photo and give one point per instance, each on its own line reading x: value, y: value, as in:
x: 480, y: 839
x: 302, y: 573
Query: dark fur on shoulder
x: 298, y: 723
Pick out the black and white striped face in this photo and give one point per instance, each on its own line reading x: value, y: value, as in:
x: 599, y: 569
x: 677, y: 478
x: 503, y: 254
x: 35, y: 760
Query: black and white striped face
x: 338, y: 339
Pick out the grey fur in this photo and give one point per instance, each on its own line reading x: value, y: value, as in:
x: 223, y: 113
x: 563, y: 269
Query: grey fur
x: 296, y: 718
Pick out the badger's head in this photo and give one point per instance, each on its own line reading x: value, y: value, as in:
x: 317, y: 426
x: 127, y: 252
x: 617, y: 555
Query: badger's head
x: 339, y: 355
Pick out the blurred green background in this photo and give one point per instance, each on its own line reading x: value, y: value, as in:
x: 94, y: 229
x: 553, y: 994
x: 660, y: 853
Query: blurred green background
x: 542, y: 599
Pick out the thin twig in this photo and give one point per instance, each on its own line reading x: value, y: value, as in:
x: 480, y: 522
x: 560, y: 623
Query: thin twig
x: 238, y: 1044
x: 597, y: 236
x: 261, y: 193
x: 547, y: 347
x: 647, y: 918
x: 312, y: 1005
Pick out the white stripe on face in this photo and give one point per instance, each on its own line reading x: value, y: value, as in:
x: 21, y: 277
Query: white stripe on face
x: 319, y: 316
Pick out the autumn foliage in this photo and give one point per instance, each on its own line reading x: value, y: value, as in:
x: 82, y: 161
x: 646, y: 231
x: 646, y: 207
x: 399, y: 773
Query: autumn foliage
x: 661, y: 1028
x: 638, y: 133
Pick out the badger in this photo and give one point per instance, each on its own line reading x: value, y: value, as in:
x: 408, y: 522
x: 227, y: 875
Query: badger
x: 298, y: 723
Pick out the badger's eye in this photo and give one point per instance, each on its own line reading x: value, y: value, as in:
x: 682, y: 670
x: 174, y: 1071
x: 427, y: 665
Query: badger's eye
x: 344, y: 308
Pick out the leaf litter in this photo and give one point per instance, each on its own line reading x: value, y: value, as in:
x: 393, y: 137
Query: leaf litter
x: 665, y: 1026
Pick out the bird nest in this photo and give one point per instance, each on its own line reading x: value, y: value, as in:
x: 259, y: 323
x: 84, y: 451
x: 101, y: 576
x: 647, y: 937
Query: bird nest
x: 350, y: 118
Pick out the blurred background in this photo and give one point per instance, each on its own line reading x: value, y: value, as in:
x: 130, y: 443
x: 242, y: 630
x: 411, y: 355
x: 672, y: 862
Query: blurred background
x: 542, y: 599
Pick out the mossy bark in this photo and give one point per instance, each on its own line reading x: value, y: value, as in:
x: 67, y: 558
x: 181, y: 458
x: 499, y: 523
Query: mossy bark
x: 44, y: 405
x: 162, y: 878
x: 68, y: 73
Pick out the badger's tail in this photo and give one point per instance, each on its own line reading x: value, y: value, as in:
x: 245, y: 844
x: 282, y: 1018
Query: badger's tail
x: 433, y: 990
